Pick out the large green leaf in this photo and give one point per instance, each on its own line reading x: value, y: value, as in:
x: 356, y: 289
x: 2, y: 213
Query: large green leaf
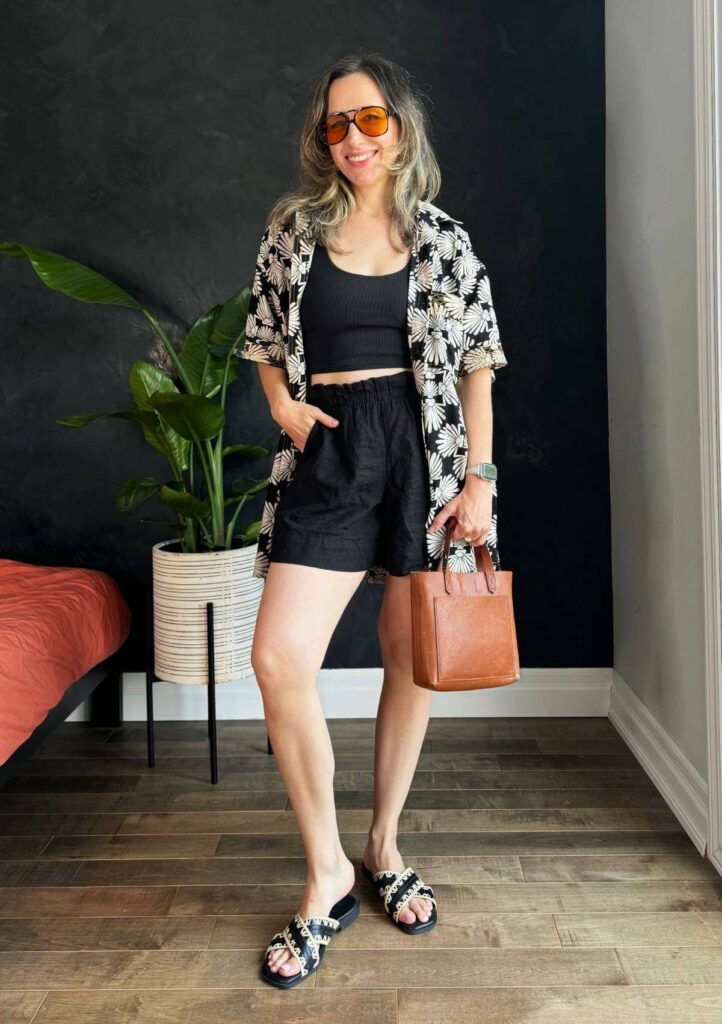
x: 70, y: 277
x: 251, y: 533
x: 249, y: 451
x: 192, y: 416
x: 165, y: 441
x: 245, y: 489
x: 230, y: 324
x: 248, y: 486
x: 84, y: 418
x: 204, y: 370
x: 148, y: 421
x: 137, y: 490
x: 145, y: 379
x: 183, y: 503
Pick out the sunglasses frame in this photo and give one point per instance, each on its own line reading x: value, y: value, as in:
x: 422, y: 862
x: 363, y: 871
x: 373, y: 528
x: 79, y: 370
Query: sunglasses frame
x: 355, y: 111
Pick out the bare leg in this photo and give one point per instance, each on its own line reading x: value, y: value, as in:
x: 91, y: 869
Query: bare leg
x: 401, y: 723
x: 300, y: 608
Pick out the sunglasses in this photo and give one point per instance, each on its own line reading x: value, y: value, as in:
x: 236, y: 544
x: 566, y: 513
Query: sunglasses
x: 372, y: 121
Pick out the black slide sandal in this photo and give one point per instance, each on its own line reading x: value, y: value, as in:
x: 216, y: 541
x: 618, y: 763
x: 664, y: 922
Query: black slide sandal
x: 307, y: 938
x: 396, y: 888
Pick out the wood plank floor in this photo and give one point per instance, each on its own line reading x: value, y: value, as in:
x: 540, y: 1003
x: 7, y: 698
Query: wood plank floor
x: 567, y: 890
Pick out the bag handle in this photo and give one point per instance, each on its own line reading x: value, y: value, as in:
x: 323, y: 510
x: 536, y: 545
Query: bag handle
x: 481, y: 553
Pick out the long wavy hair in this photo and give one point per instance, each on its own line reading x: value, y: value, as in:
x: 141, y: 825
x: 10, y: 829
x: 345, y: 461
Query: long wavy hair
x: 326, y: 194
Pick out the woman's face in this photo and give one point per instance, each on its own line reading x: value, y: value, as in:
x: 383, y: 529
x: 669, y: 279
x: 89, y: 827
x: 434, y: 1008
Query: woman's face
x: 348, y: 93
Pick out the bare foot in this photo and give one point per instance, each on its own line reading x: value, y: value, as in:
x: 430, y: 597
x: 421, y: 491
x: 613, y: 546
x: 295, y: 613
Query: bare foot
x: 377, y: 858
x: 318, y: 898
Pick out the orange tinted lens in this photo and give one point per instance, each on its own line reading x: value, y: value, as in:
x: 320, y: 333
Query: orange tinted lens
x: 372, y: 120
x: 335, y: 128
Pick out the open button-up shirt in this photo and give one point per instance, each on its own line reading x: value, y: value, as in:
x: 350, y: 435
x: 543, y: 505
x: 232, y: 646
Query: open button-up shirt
x: 452, y: 330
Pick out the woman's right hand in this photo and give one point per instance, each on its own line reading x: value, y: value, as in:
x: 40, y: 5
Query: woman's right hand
x: 298, y: 418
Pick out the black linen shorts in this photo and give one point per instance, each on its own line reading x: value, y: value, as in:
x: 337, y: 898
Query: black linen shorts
x: 360, y: 493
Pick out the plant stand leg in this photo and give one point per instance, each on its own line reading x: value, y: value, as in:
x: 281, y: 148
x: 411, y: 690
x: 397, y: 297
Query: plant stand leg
x: 149, y: 677
x: 212, y: 695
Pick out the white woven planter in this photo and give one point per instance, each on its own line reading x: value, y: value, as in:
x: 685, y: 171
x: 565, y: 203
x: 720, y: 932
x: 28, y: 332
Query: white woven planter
x: 182, y: 585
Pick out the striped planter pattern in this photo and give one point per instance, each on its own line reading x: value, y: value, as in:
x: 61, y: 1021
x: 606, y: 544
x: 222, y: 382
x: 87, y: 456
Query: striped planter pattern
x: 182, y: 585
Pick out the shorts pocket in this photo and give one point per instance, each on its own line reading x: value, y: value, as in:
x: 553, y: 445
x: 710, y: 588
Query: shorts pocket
x: 311, y: 439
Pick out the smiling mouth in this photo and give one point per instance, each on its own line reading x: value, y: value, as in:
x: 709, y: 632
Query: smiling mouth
x: 365, y: 157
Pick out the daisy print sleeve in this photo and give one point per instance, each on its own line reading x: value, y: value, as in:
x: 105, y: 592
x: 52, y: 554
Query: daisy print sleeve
x: 481, y: 345
x: 266, y: 308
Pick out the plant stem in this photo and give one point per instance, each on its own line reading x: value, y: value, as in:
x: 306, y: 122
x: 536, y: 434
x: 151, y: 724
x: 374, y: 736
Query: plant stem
x: 232, y: 524
x: 171, y: 352
x: 218, y: 455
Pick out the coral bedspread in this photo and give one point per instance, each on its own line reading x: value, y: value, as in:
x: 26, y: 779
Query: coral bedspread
x: 55, y: 625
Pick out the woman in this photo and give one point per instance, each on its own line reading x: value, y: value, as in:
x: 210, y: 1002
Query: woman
x: 398, y: 338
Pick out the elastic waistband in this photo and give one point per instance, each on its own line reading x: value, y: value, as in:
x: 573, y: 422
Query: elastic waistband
x: 367, y: 389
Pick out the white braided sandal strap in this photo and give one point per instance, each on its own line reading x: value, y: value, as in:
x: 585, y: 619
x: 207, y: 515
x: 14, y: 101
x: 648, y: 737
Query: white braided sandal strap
x: 320, y: 930
x: 311, y: 939
x: 297, y: 944
x: 329, y: 922
x: 403, y: 886
x: 384, y: 874
x: 303, y: 942
x: 277, y: 942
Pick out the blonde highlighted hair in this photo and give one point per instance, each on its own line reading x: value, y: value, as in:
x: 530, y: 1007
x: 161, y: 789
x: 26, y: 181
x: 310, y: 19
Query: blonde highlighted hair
x: 326, y: 195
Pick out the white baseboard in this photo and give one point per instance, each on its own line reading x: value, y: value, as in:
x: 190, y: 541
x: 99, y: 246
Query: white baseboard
x: 354, y: 693
x: 670, y: 770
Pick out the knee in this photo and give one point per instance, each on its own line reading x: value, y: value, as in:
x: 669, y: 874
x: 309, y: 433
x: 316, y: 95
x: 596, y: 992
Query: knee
x: 396, y: 649
x: 271, y: 665
x: 279, y: 671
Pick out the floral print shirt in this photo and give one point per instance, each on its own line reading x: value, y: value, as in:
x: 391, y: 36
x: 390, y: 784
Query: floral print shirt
x: 452, y: 330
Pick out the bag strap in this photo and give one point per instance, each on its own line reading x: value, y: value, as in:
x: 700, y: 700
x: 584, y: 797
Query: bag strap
x: 482, y: 556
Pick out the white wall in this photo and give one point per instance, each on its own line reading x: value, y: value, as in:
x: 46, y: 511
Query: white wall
x: 652, y: 364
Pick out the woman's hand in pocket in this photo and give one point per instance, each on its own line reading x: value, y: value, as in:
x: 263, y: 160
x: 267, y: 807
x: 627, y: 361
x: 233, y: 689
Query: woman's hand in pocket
x: 298, y: 418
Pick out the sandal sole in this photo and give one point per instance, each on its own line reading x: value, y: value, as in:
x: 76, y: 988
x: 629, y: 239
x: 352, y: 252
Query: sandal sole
x: 346, y: 910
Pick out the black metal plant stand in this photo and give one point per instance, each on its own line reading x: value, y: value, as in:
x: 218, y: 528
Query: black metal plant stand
x: 150, y: 678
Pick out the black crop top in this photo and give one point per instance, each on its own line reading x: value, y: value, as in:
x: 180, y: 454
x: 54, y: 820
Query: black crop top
x: 353, y: 321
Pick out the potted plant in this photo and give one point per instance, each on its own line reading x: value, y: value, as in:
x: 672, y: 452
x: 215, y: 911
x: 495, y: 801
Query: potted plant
x: 179, y: 401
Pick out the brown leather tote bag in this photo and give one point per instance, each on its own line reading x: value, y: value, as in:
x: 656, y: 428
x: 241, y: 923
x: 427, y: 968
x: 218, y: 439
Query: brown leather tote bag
x: 462, y: 625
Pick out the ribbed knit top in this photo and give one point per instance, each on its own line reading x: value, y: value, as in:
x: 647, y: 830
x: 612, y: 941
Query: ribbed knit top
x: 353, y: 321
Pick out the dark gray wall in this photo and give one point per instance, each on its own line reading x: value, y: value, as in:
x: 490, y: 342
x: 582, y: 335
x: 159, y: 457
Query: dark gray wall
x: 149, y: 139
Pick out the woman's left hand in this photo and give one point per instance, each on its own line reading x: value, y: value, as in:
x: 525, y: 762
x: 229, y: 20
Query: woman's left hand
x: 472, y: 509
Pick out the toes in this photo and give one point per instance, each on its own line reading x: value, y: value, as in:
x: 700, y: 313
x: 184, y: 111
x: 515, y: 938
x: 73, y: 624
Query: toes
x: 277, y: 958
x: 421, y: 907
x: 281, y: 961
